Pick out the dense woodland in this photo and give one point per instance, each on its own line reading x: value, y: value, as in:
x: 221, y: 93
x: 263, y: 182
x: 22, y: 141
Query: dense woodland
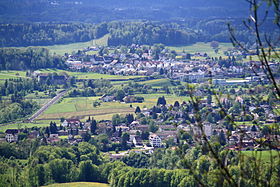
x: 96, y: 11
x: 127, y: 33
x: 48, y: 34
x: 29, y: 59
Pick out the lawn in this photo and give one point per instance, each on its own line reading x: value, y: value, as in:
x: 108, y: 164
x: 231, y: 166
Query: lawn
x: 203, y: 48
x: 78, y: 184
x: 263, y: 155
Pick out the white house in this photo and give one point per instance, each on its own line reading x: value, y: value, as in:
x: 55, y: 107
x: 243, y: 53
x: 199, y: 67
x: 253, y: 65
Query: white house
x: 69, y: 122
x: 11, y: 135
x: 155, y: 140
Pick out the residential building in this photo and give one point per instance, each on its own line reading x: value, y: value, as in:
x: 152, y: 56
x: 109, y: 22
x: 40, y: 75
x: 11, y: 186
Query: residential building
x: 155, y: 140
x: 11, y: 135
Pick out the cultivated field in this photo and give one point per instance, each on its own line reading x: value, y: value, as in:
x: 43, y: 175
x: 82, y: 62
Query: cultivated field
x: 78, y: 184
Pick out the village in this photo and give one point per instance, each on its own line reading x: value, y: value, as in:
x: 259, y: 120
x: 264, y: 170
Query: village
x: 161, y: 61
x: 164, y: 125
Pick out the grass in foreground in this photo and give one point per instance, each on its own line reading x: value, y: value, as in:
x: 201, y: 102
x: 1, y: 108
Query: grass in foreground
x: 78, y: 184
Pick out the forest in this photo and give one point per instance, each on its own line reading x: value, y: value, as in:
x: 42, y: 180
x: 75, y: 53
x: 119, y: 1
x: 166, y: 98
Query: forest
x: 14, y: 35
x: 29, y: 59
x: 129, y: 32
x: 95, y: 11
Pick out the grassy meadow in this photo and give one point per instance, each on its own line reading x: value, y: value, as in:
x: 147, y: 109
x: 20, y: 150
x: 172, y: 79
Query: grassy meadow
x: 11, y: 74
x: 61, y: 49
x: 78, y: 184
x: 82, y: 107
x: 202, y: 47
x: 263, y: 155
x: 41, y: 123
x: 88, y: 75
x: 157, y: 82
x: 69, y: 48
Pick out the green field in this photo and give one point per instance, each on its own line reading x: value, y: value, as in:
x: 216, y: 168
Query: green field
x: 263, y: 155
x: 151, y: 99
x: 81, y: 107
x: 88, y: 75
x: 78, y: 184
x: 27, y: 125
x: 201, y: 47
x: 12, y: 74
x: 69, y: 48
x: 157, y: 82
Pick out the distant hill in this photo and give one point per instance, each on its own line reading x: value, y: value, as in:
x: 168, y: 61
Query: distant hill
x: 96, y: 11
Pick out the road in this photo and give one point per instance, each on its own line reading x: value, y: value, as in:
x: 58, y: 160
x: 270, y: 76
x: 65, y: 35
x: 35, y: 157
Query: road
x: 47, y: 105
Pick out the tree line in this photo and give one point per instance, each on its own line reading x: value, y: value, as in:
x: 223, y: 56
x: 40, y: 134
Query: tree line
x: 127, y: 33
x: 36, y: 34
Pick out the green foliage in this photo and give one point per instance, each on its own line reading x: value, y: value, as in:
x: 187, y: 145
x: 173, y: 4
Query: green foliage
x: 49, y: 34
x: 88, y: 172
x: 62, y: 170
x: 136, y: 160
x: 29, y: 58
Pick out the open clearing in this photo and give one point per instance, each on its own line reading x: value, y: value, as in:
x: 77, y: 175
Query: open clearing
x: 78, y: 184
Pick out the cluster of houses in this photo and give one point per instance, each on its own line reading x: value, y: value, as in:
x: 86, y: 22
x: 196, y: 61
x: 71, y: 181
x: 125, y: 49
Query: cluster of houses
x: 241, y: 137
x: 181, y: 67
